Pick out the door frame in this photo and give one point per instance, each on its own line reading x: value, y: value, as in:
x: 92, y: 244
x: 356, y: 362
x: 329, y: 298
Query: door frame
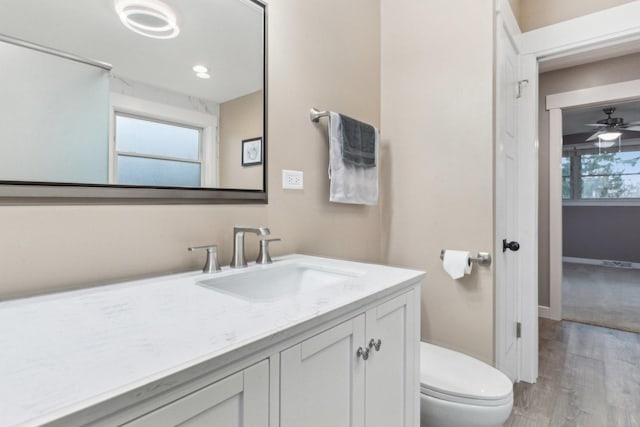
x: 585, y: 37
x: 555, y: 103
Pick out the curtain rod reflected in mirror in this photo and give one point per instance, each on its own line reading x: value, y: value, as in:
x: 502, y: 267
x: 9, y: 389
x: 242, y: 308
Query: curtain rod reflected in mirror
x: 155, y: 128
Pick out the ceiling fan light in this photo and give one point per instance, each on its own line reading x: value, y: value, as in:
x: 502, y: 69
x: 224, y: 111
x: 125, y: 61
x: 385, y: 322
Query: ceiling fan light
x: 607, y: 139
x: 609, y: 136
x: 604, y: 144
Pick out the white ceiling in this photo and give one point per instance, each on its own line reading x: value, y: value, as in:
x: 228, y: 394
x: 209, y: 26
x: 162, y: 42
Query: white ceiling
x: 573, y: 120
x: 223, y: 35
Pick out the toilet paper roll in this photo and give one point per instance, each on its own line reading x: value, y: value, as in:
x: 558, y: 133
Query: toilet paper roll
x: 456, y: 263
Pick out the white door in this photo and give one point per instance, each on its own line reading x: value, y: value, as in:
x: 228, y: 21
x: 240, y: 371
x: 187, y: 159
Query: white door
x: 322, y: 379
x: 392, y: 383
x: 240, y: 400
x: 507, y: 301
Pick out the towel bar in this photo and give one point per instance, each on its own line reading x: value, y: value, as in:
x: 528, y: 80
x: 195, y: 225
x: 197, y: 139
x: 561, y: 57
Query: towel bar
x: 483, y: 258
x: 315, y: 114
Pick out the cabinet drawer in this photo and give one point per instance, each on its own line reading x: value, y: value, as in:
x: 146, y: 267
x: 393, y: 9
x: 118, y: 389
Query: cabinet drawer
x: 239, y: 400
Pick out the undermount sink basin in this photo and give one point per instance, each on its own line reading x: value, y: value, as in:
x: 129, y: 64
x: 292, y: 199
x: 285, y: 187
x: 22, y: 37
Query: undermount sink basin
x: 278, y: 282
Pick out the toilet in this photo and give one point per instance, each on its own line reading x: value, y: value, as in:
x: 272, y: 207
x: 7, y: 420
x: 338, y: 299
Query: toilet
x: 457, y: 390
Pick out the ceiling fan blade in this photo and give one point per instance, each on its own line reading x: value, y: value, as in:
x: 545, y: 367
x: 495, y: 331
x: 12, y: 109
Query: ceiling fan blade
x: 594, y: 136
x: 636, y: 123
x: 597, y: 125
x: 632, y: 128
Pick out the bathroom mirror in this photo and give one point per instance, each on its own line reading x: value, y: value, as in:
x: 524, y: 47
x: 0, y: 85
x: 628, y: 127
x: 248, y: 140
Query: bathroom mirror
x: 145, y: 100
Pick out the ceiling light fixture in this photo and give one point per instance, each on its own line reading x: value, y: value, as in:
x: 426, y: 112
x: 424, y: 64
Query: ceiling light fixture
x: 204, y: 75
x: 609, y: 136
x: 150, y: 18
x: 200, y: 69
x: 607, y: 139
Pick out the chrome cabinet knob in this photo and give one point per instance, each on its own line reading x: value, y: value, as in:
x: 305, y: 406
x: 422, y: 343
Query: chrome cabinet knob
x: 363, y: 352
x: 375, y: 344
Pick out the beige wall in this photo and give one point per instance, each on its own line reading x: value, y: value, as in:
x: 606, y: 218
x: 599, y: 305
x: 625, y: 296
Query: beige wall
x: 48, y: 248
x: 515, y: 8
x: 613, y: 70
x: 534, y: 14
x: 437, y: 126
x: 240, y: 119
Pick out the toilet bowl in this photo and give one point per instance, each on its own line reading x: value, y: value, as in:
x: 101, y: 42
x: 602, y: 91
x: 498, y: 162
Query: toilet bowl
x: 457, y: 390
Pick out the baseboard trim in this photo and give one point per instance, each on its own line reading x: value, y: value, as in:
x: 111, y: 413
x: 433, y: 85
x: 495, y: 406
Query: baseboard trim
x: 590, y: 261
x: 545, y: 312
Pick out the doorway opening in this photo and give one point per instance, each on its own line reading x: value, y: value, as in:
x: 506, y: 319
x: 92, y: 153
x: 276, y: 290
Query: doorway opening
x: 586, y: 194
x: 600, y: 206
x: 568, y: 347
x: 599, y: 36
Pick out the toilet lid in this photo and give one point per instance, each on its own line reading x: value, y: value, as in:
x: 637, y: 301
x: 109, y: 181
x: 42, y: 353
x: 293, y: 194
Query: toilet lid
x: 450, y: 373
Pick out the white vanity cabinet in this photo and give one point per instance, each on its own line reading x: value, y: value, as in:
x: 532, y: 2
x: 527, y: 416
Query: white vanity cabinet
x: 393, y: 371
x: 172, y: 352
x: 239, y: 400
x: 359, y: 373
x: 322, y: 380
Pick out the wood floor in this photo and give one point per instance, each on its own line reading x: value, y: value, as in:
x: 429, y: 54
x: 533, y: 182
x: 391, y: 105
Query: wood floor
x: 588, y: 376
x: 602, y: 296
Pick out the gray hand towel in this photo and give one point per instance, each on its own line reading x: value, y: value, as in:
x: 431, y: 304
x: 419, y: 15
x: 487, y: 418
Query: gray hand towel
x: 349, y: 183
x: 358, y: 143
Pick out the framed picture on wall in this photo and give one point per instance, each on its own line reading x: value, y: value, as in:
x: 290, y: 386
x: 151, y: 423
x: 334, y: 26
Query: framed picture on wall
x: 252, y: 152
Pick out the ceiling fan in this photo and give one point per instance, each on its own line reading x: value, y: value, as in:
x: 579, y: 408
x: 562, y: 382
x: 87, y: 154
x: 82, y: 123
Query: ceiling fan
x: 611, y: 128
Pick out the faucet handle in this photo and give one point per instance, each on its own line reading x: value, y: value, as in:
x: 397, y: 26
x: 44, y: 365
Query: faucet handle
x: 212, y: 265
x: 263, y: 255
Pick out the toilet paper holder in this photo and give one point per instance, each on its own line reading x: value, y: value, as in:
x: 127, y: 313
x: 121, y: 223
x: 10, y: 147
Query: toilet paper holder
x: 483, y: 258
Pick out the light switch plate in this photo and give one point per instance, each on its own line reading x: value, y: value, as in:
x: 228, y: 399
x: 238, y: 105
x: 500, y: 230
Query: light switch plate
x: 292, y: 180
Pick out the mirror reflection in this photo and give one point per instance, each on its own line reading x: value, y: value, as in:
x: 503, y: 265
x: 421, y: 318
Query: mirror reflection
x: 168, y: 93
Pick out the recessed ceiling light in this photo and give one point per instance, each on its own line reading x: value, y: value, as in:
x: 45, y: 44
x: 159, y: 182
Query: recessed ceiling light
x: 200, y: 69
x: 204, y: 75
x: 150, y: 18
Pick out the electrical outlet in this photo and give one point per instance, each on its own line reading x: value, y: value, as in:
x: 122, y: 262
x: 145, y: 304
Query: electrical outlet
x: 292, y: 180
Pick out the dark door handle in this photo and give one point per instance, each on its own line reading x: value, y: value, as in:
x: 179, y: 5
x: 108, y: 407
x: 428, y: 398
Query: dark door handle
x: 512, y: 246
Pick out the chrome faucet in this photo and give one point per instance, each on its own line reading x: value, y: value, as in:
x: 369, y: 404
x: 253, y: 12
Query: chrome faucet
x: 239, y: 260
x: 212, y: 265
x: 263, y: 256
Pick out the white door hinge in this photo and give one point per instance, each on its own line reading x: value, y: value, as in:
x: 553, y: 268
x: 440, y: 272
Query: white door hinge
x: 521, y: 85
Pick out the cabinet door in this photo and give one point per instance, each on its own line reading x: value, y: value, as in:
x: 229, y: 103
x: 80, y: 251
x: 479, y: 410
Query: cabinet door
x: 322, y: 379
x: 391, y: 376
x: 240, y: 400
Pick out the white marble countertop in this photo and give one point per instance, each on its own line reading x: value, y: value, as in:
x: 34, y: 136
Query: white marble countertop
x: 63, y: 352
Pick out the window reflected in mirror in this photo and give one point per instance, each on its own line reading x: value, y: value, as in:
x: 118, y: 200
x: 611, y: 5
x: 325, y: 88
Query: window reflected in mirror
x: 157, y: 154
